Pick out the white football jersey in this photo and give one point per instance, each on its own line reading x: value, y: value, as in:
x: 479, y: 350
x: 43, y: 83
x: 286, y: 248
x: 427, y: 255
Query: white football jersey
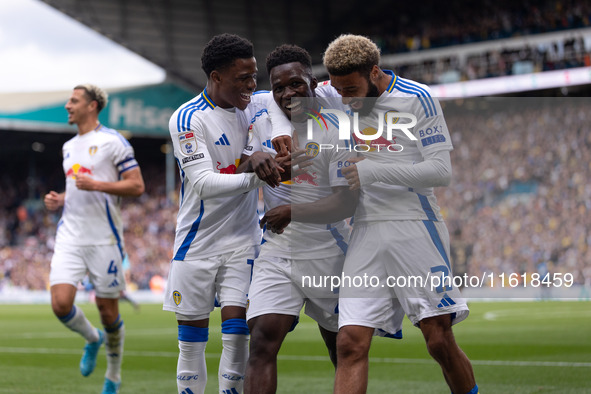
x: 93, y: 217
x: 206, y: 136
x: 303, y: 240
x: 381, y: 201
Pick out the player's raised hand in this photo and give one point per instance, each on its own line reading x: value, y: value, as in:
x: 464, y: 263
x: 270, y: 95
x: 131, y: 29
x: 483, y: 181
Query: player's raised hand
x: 53, y: 200
x: 351, y: 173
x: 283, y: 145
x: 277, y: 218
x: 294, y: 164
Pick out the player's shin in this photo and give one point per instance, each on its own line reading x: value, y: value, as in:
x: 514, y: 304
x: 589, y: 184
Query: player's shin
x: 191, y: 373
x: 77, y: 322
x: 235, y: 336
x: 115, y: 333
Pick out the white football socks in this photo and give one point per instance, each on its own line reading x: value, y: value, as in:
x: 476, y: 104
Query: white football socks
x: 233, y: 363
x: 191, y: 375
x: 77, y: 322
x: 115, y: 335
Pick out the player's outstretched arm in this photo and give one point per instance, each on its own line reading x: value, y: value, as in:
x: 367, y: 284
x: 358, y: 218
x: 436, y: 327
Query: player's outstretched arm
x: 131, y: 184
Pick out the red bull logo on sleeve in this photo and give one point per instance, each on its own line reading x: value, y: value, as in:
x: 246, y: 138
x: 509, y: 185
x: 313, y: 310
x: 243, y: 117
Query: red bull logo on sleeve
x: 77, y: 169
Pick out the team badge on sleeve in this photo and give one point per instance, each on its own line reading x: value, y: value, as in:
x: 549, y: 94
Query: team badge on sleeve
x: 176, y: 296
x: 188, y: 143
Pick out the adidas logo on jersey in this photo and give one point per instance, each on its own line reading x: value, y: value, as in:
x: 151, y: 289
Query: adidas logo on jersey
x: 223, y: 140
x: 114, y: 283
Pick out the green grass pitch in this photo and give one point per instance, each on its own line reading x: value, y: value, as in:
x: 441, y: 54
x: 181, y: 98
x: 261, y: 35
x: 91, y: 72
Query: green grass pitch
x: 515, y: 347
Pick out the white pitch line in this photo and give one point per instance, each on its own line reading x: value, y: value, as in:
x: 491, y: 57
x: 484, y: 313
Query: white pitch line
x: 67, y: 334
x: 377, y: 360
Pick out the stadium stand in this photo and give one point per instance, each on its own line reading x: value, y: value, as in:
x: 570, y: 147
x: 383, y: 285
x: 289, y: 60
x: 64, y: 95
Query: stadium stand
x: 520, y: 189
x: 166, y: 33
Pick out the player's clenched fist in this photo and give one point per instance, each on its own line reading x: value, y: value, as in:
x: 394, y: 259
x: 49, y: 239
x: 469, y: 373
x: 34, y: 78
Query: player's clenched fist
x: 351, y: 174
x: 54, y: 200
x: 84, y: 182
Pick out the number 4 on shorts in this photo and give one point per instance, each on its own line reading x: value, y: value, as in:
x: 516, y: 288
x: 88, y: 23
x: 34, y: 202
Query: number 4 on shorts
x: 112, y: 268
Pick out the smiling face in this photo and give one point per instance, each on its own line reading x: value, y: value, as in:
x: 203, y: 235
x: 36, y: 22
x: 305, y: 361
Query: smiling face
x: 79, y: 107
x: 236, y: 83
x: 353, y: 88
x: 291, y: 80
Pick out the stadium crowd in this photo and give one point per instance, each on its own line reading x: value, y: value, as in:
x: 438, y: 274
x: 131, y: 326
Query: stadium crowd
x: 496, y: 20
x: 520, y: 193
x: 556, y: 55
x: 452, y: 23
x: 518, y: 201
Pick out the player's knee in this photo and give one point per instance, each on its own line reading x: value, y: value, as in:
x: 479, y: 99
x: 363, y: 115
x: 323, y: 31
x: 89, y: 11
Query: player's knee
x: 262, y: 345
x: 108, y: 315
x: 60, y: 307
x: 438, y: 347
x: 266, y: 337
x: 350, y: 345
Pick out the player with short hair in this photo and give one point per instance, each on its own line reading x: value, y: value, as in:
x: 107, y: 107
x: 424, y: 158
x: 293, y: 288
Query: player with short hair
x: 398, y: 230
x: 314, y: 243
x: 100, y: 168
x: 217, y: 232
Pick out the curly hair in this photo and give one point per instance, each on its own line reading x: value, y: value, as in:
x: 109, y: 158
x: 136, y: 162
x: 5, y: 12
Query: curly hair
x: 288, y: 53
x: 349, y: 53
x: 94, y: 93
x: 222, y: 50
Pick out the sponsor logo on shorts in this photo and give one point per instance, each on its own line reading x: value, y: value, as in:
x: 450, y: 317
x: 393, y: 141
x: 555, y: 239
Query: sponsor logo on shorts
x: 176, y: 296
